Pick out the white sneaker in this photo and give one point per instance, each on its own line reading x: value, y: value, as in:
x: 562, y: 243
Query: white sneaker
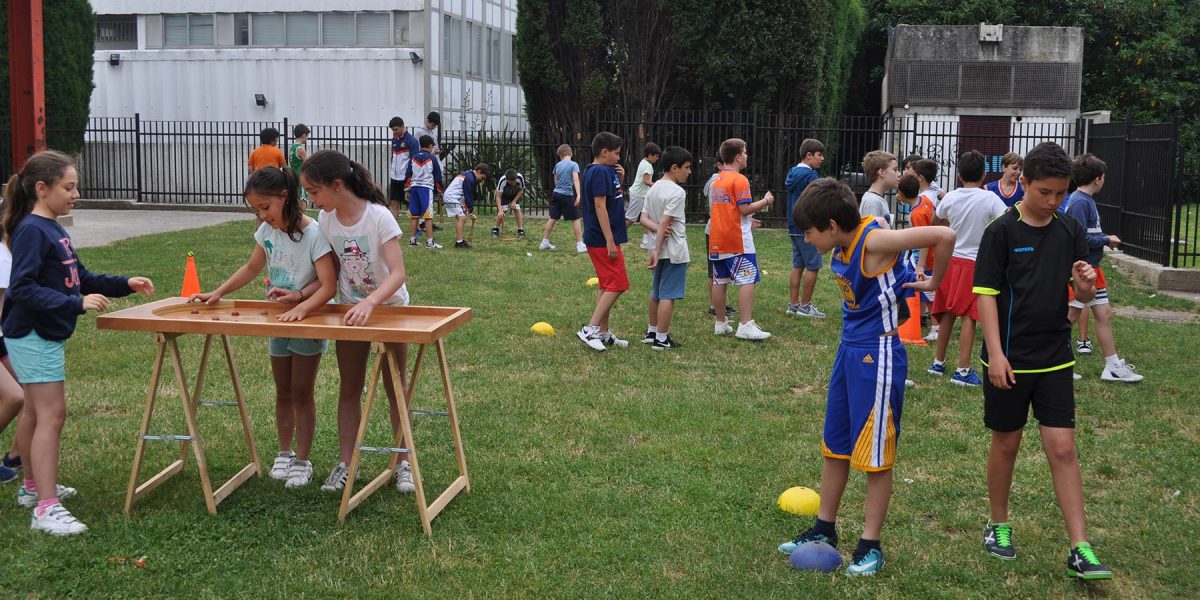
x: 1076, y: 376
x: 28, y: 499
x: 591, y: 336
x: 722, y: 328
x: 283, y: 462
x: 1122, y: 371
x: 433, y: 245
x: 404, y: 480
x: 546, y: 245
x: 932, y: 337
x: 57, y: 520
x: 299, y: 474
x: 610, y: 339
x: 750, y: 331
x: 580, y: 247
x: 337, y: 478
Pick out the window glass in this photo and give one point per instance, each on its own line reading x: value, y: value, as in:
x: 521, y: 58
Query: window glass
x: 175, y: 31
x: 400, y: 34
x: 241, y: 30
x: 201, y: 27
x: 302, y: 29
x: 374, y: 29
x: 267, y: 29
x: 338, y: 29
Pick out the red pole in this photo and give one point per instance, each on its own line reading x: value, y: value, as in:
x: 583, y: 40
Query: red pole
x: 25, y: 75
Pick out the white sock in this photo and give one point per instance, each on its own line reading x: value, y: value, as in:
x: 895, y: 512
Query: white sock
x: 938, y: 363
x: 545, y: 240
x: 662, y: 337
x: 963, y: 371
x: 935, y: 329
x: 651, y: 329
x: 1112, y: 361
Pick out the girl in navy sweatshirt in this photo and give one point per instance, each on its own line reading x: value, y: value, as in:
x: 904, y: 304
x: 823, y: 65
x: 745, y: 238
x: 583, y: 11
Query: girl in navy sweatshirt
x: 48, y: 289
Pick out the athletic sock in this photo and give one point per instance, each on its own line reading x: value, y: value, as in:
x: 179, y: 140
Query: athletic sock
x: 962, y: 372
x: 865, y: 545
x: 938, y: 363
x: 30, y: 486
x: 1112, y: 361
x: 662, y: 337
x: 825, y: 528
x: 44, y: 505
x: 651, y: 329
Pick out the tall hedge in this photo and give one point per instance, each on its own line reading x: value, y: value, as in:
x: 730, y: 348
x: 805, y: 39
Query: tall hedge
x: 69, y: 38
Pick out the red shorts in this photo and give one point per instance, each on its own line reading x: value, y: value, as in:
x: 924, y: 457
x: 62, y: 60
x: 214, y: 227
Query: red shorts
x: 954, y: 296
x: 610, y: 272
x: 1101, y: 284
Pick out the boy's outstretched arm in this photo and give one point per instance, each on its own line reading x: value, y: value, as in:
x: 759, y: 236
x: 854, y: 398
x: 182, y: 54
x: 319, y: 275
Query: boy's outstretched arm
x: 1000, y: 372
x: 884, y: 245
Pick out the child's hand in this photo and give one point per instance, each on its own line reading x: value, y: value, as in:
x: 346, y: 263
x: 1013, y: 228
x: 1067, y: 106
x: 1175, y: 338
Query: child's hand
x: 923, y: 283
x: 207, y: 298
x: 755, y: 223
x: 1113, y: 241
x: 612, y: 251
x: 1083, y: 273
x: 653, y: 259
x: 1000, y: 373
x: 141, y: 285
x: 97, y: 302
x: 769, y: 198
x: 359, y: 313
x: 620, y: 170
x: 283, y: 295
x: 577, y: 201
x: 296, y: 314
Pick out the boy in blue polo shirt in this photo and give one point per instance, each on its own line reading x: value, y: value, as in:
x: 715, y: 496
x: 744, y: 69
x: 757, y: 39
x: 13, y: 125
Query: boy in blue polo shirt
x: 806, y: 261
x: 423, y: 179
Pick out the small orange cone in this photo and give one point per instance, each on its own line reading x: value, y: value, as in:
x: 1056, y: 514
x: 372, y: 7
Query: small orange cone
x: 191, y: 281
x: 910, y: 330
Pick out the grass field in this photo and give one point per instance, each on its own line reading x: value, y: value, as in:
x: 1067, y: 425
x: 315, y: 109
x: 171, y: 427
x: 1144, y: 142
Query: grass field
x: 630, y: 473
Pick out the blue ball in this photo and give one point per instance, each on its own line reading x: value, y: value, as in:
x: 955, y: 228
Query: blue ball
x: 816, y: 556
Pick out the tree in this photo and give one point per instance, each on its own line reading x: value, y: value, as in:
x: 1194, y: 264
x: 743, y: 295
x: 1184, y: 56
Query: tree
x: 69, y: 38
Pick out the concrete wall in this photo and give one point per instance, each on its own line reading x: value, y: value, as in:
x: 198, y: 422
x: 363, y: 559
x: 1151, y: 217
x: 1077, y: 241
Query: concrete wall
x: 961, y: 42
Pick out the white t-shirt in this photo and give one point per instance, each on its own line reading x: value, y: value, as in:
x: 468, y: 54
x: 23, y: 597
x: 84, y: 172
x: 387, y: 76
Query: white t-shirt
x: 932, y: 194
x: 291, y: 264
x: 665, y: 201
x: 638, y: 189
x: 969, y: 210
x: 5, y: 265
x: 874, y: 205
x: 358, y: 247
x: 708, y: 185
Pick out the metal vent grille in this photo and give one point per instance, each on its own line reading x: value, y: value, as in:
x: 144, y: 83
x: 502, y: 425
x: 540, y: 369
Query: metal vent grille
x: 985, y: 84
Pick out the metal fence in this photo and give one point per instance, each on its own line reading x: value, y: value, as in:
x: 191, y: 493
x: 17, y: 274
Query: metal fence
x: 204, y: 162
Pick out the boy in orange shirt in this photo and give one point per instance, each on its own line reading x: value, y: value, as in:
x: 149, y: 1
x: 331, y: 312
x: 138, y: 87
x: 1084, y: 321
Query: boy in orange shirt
x: 731, y: 243
x: 268, y: 154
x: 910, y: 192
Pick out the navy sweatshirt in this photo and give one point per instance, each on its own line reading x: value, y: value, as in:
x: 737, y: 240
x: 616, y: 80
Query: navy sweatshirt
x: 48, y: 282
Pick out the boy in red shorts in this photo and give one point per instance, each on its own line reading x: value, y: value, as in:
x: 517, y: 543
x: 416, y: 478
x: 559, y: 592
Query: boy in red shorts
x: 967, y: 210
x: 603, y: 209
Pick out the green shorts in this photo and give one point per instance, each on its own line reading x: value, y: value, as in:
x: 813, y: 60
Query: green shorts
x: 285, y: 347
x: 36, y: 360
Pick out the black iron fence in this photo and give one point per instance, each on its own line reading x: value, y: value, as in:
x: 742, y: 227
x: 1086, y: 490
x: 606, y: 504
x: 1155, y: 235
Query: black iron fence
x: 1150, y: 199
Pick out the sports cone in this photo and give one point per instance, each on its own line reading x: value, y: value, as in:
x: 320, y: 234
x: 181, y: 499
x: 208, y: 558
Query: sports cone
x: 191, y: 281
x: 910, y: 330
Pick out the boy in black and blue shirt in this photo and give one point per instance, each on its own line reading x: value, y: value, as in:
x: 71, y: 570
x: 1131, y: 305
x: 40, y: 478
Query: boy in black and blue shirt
x: 1026, y: 259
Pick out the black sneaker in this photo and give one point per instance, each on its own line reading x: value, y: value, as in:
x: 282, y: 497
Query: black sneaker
x: 649, y: 338
x: 521, y: 233
x: 462, y: 244
x: 12, y: 463
x: 729, y: 311
x: 668, y: 344
x: 997, y: 539
x: 495, y: 232
x: 809, y: 535
x: 412, y: 241
x: 1082, y: 563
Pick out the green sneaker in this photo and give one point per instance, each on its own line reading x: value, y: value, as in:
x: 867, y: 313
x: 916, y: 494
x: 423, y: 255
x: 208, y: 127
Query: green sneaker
x: 997, y: 539
x: 1082, y: 563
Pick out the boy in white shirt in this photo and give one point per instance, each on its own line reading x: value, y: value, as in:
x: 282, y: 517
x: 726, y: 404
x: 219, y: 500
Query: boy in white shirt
x: 967, y: 210
x: 663, y: 213
x: 642, y: 181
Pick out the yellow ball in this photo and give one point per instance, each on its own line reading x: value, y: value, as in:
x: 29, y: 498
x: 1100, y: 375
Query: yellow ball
x: 593, y: 282
x: 543, y: 328
x: 800, y: 501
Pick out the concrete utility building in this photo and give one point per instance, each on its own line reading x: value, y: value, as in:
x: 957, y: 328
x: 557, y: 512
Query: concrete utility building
x: 357, y: 62
x: 993, y: 88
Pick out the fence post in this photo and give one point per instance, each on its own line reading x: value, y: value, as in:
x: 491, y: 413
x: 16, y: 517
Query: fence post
x: 286, y: 133
x: 137, y: 154
x: 1172, y: 241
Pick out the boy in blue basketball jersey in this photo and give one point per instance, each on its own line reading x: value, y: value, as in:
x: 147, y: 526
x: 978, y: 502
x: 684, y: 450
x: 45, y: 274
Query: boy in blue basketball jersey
x: 866, y: 387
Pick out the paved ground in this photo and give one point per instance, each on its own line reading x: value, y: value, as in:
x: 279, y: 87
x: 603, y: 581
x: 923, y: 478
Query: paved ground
x: 93, y: 227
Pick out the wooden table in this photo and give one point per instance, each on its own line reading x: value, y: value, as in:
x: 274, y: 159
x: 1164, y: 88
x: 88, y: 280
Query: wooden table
x: 170, y: 318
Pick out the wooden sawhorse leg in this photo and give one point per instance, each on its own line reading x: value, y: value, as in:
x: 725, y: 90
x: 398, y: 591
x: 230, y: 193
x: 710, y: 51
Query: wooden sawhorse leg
x: 427, y: 512
x: 191, y: 401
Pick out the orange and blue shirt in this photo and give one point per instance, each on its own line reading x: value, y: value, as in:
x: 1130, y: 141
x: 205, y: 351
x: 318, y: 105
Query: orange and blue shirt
x: 871, y: 301
x: 729, y: 230
x: 423, y: 171
x: 403, y: 148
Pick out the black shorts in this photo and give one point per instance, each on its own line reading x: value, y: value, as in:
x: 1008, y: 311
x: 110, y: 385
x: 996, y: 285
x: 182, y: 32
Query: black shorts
x: 1052, y: 395
x: 3, y: 349
x: 395, y: 190
x: 562, y: 207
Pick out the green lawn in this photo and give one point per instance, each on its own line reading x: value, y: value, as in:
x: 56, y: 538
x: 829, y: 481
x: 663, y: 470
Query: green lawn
x: 628, y: 474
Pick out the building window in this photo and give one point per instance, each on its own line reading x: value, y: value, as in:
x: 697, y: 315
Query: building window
x: 116, y: 32
x: 267, y: 29
x: 181, y: 31
x: 454, y: 44
x: 337, y: 29
x: 473, y: 59
x: 241, y: 30
x: 511, y: 62
x: 493, y: 54
x: 400, y: 30
x: 302, y: 30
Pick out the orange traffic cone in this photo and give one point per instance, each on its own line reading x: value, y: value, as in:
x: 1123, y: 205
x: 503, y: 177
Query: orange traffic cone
x: 191, y: 281
x: 910, y: 330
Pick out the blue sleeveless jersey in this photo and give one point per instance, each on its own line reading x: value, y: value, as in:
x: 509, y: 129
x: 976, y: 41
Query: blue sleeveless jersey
x: 871, y: 300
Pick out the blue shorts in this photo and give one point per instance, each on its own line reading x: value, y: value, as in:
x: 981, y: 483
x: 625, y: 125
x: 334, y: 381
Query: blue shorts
x: 419, y: 201
x: 668, y: 282
x: 862, y: 411
x: 805, y: 255
x: 285, y: 347
x: 740, y: 269
x: 36, y: 360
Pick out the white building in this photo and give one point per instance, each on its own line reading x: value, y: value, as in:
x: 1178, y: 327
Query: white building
x: 354, y: 62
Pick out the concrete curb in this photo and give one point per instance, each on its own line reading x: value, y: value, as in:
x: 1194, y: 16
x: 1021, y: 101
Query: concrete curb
x: 1158, y: 276
x: 135, y: 205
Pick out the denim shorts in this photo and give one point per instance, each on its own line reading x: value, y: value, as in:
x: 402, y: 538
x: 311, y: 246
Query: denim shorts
x: 285, y: 347
x: 36, y: 360
x: 804, y: 254
x: 668, y: 280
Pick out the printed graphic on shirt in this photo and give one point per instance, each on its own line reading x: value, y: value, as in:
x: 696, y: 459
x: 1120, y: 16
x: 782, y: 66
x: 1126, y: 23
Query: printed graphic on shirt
x: 72, y: 279
x: 356, y: 265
